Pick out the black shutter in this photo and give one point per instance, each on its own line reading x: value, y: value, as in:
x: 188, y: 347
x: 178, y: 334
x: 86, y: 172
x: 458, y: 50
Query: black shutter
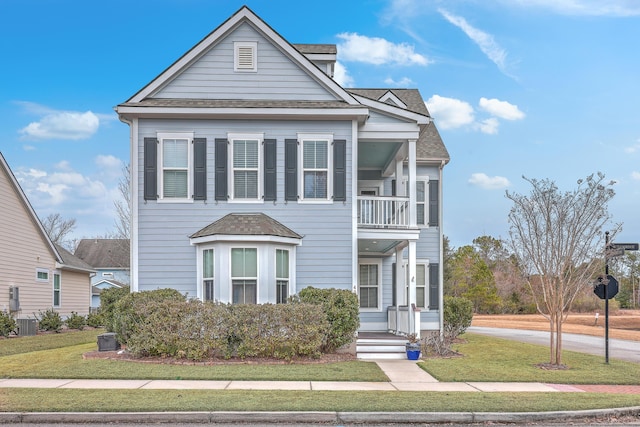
x: 434, y: 203
x: 200, y: 169
x: 150, y: 169
x: 270, y: 188
x: 434, y: 285
x: 340, y: 170
x: 291, y: 169
x: 221, y: 169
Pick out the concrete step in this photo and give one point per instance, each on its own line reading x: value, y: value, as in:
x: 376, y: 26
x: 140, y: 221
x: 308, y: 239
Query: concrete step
x: 380, y: 348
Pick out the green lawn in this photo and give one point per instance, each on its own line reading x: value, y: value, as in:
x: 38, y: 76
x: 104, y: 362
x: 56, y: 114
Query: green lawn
x: 493, y: 359
x: 484, y: 359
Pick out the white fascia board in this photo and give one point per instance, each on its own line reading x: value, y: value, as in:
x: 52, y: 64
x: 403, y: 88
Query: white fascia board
x: 389, y: 132
x: 390, y: 95
x: 396, y: 111
x: 245, y: 238
x: 359, y: 114
x: 389, y: 234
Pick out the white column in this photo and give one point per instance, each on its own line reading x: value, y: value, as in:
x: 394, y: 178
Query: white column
x: 399, y: 286
x: 412, y: 183
x: 413, y: 328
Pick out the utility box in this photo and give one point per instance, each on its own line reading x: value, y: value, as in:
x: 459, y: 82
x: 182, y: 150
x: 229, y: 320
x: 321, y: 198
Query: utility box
x: 27, y: 327
x: 108, y: 342
x: 14, y: 298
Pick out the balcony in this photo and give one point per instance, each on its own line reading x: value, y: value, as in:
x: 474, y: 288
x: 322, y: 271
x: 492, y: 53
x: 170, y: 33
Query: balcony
x: 383, y: 212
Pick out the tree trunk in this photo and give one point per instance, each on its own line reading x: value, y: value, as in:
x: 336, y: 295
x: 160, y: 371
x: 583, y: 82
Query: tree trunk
x: 559, y: 341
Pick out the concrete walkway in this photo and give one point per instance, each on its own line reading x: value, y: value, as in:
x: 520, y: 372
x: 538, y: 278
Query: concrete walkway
x: 404, y: 375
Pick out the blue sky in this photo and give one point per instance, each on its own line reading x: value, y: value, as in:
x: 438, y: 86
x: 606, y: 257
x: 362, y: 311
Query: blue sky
x: 540, y: 88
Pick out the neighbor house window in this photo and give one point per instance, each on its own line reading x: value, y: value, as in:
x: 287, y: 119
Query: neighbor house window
x: 282, y: 276
x: 207, y: 274
x: 175, y: 166
x: 368, y: 285
x: 42, y: 275
x: 245, y: 169
x: 56, y: 290
x: 316, y: 162
x: 244, y: 275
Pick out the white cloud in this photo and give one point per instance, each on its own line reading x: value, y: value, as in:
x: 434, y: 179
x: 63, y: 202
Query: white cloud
x: 501, y: 109
x: 485, y: 41
x: 62, y: 125
x: 633, y: 148
x: 486, y: 182
x: 635, y: 175
x: 109, y: 166
x: 488, y: 126
x: 403, y: 82
x: 615, y: 8
x: 377, y: 51
x: 450, y: 113
x: 341, y: 76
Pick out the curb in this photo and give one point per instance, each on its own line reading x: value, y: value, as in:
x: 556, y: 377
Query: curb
x: 308, y: 417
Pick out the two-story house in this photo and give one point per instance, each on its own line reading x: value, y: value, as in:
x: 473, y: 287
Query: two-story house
x: 255, y: 175
x: 35, y: 274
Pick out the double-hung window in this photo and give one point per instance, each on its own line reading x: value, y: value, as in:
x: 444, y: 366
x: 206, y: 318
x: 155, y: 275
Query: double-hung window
x: 316, y: 162
x: 421, y: 202
x: 208, y: 274
x: 369, y: 285
x: 56, y: 289
x: 421, y: 284
x: 176, y: 165
x: 282, y: 276
x: 246, y: 169
x: 244, y: 275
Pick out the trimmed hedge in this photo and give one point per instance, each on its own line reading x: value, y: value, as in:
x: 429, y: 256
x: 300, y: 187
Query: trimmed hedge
x: 108, y: 299
x: 341, y: 308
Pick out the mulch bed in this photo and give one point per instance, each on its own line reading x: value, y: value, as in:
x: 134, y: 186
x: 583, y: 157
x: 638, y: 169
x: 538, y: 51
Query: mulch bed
x: 123, y: 355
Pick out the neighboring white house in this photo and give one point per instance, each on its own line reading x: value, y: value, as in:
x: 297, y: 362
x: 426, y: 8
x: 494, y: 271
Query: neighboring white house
x: 35, y: 274
x: 255, y: 175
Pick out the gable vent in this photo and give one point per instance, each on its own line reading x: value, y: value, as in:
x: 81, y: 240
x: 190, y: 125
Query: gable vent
x: 245, y: 56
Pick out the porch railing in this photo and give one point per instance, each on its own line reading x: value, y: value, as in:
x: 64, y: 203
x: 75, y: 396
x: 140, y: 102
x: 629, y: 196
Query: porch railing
x: 383, y: 212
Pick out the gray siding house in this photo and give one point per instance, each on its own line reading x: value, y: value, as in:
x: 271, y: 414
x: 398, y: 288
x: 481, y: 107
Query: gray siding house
x: 255, y: 175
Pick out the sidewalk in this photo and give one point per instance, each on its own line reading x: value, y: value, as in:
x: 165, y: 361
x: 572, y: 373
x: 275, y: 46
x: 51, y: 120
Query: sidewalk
x: 404, y: 375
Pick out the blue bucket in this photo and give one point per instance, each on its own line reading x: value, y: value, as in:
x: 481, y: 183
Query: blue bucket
x: 413, y: 354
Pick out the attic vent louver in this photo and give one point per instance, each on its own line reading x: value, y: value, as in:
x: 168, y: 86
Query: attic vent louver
x: 246, y: 56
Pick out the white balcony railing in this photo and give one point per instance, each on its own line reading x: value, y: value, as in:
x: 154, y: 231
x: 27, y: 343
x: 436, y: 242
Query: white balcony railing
x: 383, y: 212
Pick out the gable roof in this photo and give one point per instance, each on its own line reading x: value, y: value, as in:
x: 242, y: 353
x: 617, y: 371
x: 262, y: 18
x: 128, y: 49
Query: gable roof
x: 244, y: 14
x: 72, y: 262
x: 104, y: 253
x: 246, y: 224
x: 13, y: 182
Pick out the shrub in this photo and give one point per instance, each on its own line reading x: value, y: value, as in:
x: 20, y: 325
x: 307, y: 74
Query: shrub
x: 76, y: 321
x: 108, y: 298
x: 50, y: 320
x: 132, y: 310
x: 196, y: 330
x: 7, y: 324
x: 457, y: 315
x: 95, y: 320
x: 341, y: 309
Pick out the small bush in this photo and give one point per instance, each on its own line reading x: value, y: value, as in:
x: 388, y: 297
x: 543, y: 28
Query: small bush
x: 132, y: 310
x: 50, y: 320
x: 108, y: 299
x: 341, y: 308
x: 76, y: 321
x: 7, y: 324
x: 95, y: 320
x: 457, y: 316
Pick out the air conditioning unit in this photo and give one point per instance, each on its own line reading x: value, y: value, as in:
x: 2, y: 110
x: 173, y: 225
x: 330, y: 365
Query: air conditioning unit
x: 14, y: 298
x: 27, y: 327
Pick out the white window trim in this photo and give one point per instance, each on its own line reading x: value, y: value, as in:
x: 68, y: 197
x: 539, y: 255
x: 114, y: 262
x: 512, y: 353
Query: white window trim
x: 53, y: 289
x: 175, y: 135
x: 237, y: 46
x: 302, y: 137
x: 424, y: 179
x: 377, y: 262
x: 405, y: 266
x: 42, y: 270
x: 245, y: 136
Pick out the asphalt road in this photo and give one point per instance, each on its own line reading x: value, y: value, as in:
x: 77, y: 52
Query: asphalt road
x: 618, y: 349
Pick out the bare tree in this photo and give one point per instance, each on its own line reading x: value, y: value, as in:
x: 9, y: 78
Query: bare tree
x: 558, y: 239
x: 58, y: 229
x: 123, y: 205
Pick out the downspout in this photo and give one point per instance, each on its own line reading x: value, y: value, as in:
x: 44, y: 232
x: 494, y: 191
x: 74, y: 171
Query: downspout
x: 441, y: 260
x: 133, y: 224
